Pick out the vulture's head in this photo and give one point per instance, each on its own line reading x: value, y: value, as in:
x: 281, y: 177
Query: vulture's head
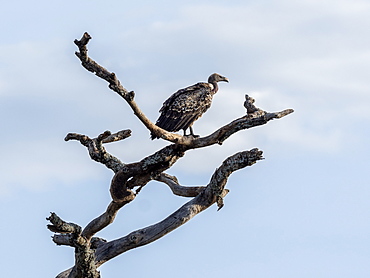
x: 217, y: 78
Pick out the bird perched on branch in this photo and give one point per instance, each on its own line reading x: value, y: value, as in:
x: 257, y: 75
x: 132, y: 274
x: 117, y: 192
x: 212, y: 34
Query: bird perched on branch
x: 185, y: 106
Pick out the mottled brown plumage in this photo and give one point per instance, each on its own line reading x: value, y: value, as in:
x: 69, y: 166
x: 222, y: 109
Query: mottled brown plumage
x: 185, y: 106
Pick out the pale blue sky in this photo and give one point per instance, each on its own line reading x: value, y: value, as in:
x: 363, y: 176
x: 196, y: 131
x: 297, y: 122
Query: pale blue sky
x: 302, y: 212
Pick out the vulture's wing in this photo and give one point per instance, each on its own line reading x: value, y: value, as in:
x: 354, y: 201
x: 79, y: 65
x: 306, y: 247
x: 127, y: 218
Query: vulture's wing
x: 185, y: 106
x: 187, y: 90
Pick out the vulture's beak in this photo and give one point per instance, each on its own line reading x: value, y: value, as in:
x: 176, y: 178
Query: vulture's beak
x: 226, y: 79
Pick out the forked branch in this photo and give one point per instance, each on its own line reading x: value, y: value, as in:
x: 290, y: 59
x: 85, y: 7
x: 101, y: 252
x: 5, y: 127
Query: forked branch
x: 96, y: 150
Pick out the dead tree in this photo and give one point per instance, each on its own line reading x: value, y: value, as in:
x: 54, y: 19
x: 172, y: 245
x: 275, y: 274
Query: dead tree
x: 90, y: 251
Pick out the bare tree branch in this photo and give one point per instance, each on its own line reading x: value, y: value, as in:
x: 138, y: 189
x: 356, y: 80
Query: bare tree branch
x: 120, y: 135
x: 177, y: 189
x: 64, y: 239
x: 250, y: 120
x: 85, y: 266
x: 212, y: 192
x: 140, y: 173
x: 106, y: 218
x: 60, y: 226
x: 115, y: 85
x: 255, y: 117
x: 96, y: 150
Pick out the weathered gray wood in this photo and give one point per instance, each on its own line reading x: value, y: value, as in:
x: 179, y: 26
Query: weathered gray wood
x: 96, y: 150
x: 211, y: 194
x: 70, y: 234
x: 177, y: 189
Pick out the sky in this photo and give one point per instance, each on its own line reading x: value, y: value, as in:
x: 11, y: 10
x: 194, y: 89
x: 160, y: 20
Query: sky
x: 302, y: 212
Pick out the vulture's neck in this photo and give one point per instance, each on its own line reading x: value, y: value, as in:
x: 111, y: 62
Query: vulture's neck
x: 215, y: 86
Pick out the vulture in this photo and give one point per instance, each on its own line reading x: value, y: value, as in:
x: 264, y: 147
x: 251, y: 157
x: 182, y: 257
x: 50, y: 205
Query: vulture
x: 187, y: 105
